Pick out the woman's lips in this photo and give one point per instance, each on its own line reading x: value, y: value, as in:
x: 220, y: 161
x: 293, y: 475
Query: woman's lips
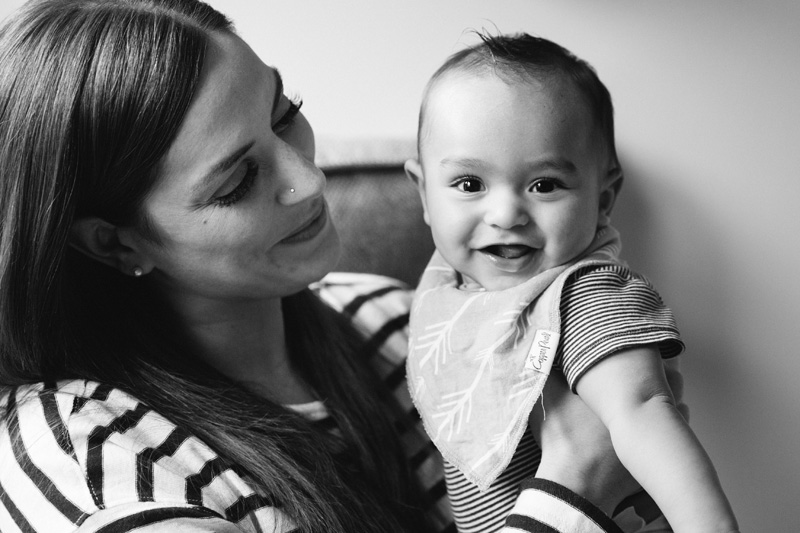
x: 311, y: 229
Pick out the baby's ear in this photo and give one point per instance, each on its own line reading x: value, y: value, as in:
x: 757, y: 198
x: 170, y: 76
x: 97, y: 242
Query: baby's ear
x: 609, y: 190
x: 414, y: 172
x: 104, y: 242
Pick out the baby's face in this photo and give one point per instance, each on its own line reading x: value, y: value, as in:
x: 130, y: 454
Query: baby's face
x: 512, y: 176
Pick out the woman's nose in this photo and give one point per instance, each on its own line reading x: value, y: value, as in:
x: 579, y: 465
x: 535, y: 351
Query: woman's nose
x: 300, y: 178
x: 506, y: 210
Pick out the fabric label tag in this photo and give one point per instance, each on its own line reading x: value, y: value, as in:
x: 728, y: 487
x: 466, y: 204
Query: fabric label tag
x: 543, y: 351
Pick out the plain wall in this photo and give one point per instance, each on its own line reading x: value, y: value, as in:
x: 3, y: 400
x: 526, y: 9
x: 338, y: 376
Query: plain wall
x: 708, y: 131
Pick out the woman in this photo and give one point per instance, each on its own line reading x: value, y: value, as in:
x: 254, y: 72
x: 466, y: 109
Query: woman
x: 163, y: 361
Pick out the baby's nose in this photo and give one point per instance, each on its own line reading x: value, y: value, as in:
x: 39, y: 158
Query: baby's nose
x: 506, y: 211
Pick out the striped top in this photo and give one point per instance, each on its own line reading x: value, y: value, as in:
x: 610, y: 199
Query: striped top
x: 606, y: 309
x: 78, y: 456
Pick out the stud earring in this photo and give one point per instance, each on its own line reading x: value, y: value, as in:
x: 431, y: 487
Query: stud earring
x: 291, y: 190
x: 137, y: 272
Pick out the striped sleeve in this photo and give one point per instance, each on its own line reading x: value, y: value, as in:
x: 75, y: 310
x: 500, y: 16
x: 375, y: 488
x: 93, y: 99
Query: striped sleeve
x: 79, y: 456
x: 32, y: 498
x: 547, y: 507
x: 607, y: 309
x: 144, y: 517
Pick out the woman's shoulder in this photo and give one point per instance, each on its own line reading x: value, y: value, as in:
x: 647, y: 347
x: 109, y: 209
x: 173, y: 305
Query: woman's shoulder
x: 80, y: 453
x: 377, y: 306
x: 351, y: 292
x: 70, y: 395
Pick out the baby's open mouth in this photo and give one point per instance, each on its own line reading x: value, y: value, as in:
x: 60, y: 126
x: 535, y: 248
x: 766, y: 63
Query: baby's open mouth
x: 508, y: 251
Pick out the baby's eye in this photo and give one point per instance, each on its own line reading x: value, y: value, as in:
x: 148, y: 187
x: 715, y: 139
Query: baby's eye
x: 469, y: 184
x: 544, y: 186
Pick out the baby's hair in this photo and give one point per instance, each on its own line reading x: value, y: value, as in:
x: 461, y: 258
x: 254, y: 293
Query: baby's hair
x: 521, y: 57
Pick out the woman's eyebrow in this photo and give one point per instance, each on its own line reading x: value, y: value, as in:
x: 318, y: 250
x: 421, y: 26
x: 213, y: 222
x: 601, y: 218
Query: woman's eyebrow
x: 223, y: 165
x: 228, y: 161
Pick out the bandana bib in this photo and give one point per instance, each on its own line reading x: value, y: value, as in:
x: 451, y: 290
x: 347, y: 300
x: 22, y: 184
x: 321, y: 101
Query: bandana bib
x: 478, y: 360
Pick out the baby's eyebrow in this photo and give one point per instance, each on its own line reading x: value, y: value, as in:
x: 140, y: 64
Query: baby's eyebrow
x: 471, y: 162
x: 559, y: 163
x: 556, y: 163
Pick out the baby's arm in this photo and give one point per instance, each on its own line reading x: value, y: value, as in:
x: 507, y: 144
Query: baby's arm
x: 628, y: 391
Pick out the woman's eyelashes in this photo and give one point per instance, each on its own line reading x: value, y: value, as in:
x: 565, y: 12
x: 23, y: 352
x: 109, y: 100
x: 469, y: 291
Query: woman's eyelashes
x: 240, y: 187
x: 243, y: 179
x: 287, y: 119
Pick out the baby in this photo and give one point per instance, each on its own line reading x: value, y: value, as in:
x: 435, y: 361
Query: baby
x: 518, y: 176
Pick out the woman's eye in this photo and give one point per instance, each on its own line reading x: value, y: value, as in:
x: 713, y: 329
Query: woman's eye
x: 239, y: 186
x: 287, y: 119
x: 544, y: 186
x: 469, y: 184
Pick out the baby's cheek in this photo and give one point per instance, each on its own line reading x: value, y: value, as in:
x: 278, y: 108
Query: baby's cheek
x: 443, y: 236
x: 577, y: 239
x: 456, y: 255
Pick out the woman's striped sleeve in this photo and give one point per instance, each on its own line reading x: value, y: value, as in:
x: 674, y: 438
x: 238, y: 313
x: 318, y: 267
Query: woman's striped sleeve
x: 547, y: 507
x: 143, y: 517
x: 79, y: 456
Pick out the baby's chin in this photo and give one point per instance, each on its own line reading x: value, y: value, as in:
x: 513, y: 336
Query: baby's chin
x: 492, y: 283
x: 491, y: 277
x: 492, y: 273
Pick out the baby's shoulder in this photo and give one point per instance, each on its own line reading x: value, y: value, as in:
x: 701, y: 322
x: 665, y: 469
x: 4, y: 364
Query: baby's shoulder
x: 608, y: 277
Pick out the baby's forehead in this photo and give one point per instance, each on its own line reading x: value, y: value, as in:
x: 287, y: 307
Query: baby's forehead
x: 549, y: 105
x: 552, y: 82
x: 559, y: 88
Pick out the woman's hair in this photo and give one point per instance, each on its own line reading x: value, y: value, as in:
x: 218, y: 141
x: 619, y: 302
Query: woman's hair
x: 92, y: 93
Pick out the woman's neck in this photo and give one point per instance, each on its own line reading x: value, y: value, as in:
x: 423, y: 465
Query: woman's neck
x: 246, y: 341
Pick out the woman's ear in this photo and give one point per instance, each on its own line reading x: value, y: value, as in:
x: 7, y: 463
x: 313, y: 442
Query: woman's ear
x: 100, y: 240
x: 414, y: 172
x: 609, y: 190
